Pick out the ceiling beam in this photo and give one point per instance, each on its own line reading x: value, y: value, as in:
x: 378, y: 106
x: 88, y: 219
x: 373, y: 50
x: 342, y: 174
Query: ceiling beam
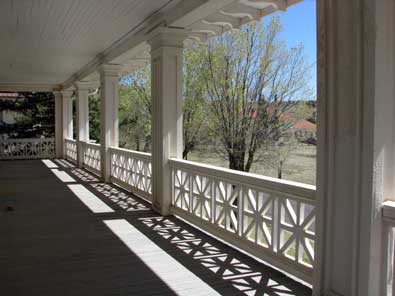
x: 137, y: 35
x: 29, y: 87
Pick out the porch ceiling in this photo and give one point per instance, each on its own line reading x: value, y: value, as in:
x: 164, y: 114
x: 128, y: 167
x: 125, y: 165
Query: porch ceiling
x: 48, y: 45
x: 45, y: 42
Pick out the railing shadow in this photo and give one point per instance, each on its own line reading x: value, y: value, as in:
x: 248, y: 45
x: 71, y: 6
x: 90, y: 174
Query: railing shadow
x: 224, y: 268
x: 106, y: 192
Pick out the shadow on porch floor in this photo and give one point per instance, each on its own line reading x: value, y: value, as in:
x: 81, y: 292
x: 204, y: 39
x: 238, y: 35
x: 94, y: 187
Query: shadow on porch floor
x: 70, y: 234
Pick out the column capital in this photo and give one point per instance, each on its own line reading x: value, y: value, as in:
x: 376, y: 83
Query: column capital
x: 167, y: 37
x: 58, y: 94
x: 110, y: 69
x: 67, y: 93
x: 85, y: 85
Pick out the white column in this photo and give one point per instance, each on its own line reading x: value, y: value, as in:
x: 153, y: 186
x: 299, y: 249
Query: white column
x: 166, y: 72
x: 108, y: 115
x: 355, y: 150
x: 82, y: 107
x: 67, y: 102
x: 58, y: 124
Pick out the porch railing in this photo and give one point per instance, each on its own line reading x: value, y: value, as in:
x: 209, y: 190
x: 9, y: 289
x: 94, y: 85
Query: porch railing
x: 132, y: 170
x: 91, y: 159
x: 71, y: 150
x: 271, y: 219
x: 27, y: 148
x: 389, y: 247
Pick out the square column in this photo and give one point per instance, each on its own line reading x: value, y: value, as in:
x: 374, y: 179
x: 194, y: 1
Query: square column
x: 108, y: 115
x: 82, y: 108
x: 67, y: 106
x: 58, y: 124
x: 166, y: 76
x: 355, y: 157
x: 66, y: 119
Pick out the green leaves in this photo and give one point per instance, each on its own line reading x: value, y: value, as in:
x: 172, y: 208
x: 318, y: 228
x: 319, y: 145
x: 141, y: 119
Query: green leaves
x: 35, y: 115
x: 239, y: 89
x: 249, y: 78
x: 135, y: 110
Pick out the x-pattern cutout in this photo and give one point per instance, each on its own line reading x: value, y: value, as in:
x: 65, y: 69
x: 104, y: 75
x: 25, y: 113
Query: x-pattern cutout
x: 226, y: 195
x: 257, y: 206
x: 182, y: 190
x: 297, y: 228
x: 132, y: 171
x: 201, y: 201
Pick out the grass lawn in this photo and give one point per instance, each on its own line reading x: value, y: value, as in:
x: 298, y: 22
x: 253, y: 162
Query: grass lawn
x: 300, y: 165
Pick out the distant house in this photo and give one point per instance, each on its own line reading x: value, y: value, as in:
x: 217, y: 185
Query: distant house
x: 305, y: 130
x: 302, y: 129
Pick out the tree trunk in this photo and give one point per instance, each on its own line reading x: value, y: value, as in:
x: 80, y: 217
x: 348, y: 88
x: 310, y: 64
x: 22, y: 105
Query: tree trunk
x: 137, y: 142
x: 185, y: 154
x: 236, y: 162
x: 280, y: 170
x: 147, y: 143
x: 188, y: 147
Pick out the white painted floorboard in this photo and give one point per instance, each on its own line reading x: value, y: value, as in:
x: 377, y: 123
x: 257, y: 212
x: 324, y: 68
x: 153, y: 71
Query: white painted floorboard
x: 177, y: 277
x: 95, y: 204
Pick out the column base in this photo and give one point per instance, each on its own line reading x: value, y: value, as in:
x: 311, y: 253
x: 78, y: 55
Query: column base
x: 157, y: 208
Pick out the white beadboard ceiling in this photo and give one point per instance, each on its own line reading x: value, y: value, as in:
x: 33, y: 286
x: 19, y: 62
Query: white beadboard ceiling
x: 47, y: 41
x: 50, y: 44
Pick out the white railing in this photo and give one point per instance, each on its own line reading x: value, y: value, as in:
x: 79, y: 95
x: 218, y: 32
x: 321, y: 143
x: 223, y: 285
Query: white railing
x: 27, y: 148
x: 389, y: 247
x: 132, y: 170
x: 271, y: 219
x: 71, y: 150
x: 91, y: 159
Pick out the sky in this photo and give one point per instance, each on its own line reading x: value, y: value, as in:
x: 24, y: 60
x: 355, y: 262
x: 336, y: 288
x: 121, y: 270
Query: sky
x: 299, y: 26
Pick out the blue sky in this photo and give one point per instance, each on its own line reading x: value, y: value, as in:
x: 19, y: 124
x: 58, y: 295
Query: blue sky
x: 299, y: 26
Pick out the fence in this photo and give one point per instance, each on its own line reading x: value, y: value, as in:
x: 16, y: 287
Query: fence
x: 269, y: 218
x: 27, y: 148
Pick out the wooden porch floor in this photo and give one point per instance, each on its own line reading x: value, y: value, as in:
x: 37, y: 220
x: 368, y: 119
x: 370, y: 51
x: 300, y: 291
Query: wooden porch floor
x: 70, y: 234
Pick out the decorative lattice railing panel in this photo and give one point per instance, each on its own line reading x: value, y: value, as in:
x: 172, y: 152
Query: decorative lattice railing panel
x: 71, y: 150
x: 27, y: 148
x: 272, y: 219
x: 132, y: 170
x: 92, y: 157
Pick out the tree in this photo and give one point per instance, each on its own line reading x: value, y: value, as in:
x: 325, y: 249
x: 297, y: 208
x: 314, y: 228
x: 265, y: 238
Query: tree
x: 94, y: 118
x: 136, y: 105
x: 35, y: 115
x: 278, y: 153
x: 194, y: 100
x: 135, y: 109
x: 250, y: 75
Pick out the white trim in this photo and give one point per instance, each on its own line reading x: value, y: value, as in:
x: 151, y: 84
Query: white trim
x: 29, y: 87
x: 304, y: 191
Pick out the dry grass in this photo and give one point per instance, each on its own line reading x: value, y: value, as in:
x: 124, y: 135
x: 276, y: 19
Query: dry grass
x: 300, y: 165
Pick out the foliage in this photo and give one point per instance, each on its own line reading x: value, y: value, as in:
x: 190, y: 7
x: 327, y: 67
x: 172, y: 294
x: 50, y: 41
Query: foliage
x: 250, y: 75
x: 194, y: 116
x: 35, y: 115
x: 94, y: 118
x: 135, y: 110
x: 239, y: 89
x: 135, y: 106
